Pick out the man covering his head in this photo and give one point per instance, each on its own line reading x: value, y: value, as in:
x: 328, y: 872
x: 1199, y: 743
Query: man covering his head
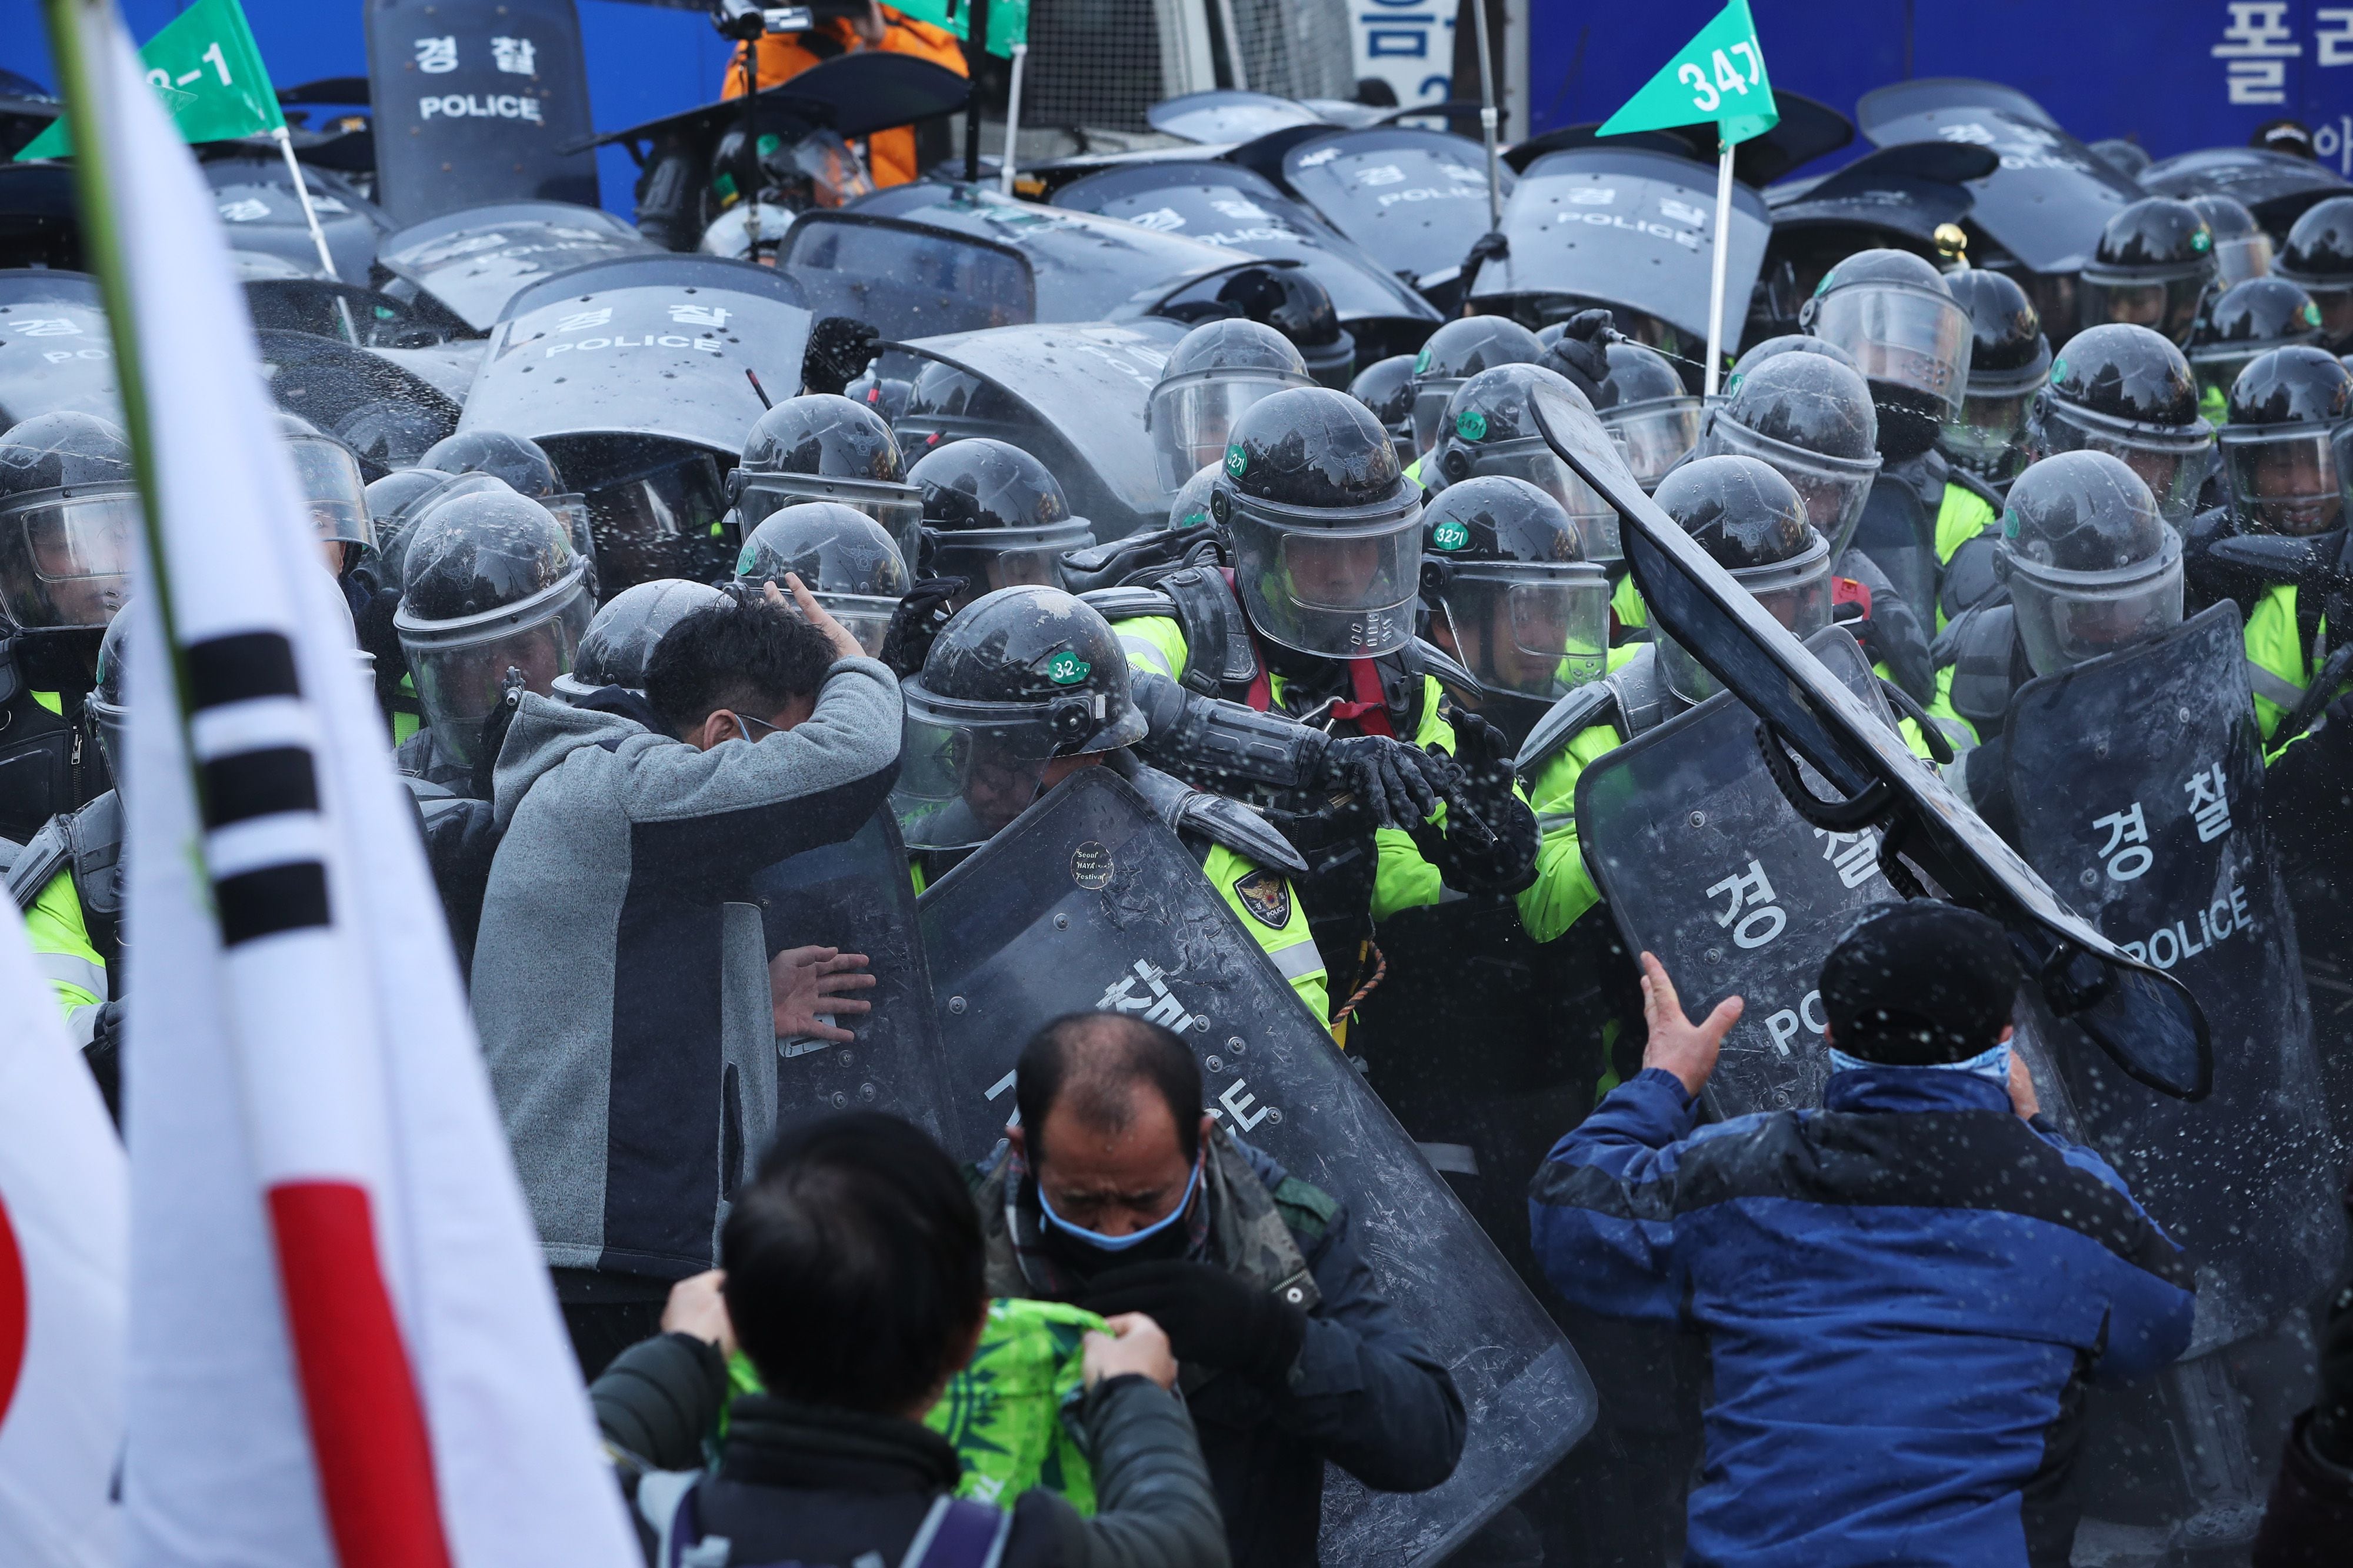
x: 1115, y: 1190
x: 1902, y: 1292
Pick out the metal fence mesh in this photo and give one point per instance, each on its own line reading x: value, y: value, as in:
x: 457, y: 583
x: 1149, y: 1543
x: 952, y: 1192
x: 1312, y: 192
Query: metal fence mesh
x: 1297, y: 48
x: 1093, y: 63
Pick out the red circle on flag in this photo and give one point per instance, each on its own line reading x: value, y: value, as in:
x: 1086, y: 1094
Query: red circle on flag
x: 12, y: 1312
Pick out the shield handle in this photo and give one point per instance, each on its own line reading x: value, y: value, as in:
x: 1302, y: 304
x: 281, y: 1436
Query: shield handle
x: 1834, y: 816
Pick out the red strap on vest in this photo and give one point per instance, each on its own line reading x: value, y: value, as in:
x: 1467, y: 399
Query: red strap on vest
x: 1369, y: 711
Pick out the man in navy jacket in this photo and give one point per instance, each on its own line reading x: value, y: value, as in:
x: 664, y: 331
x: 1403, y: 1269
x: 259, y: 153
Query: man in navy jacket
x: 1903, y: 1293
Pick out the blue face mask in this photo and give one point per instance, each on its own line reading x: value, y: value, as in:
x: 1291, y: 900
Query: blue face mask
x: 1992, y: 1065
x: 1096, y: 1238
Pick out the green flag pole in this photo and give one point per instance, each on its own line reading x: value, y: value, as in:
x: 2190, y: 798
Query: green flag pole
x: 1012, y: 120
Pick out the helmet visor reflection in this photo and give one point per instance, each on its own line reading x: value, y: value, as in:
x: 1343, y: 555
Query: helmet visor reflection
x: 1190, y: 418
x: 1909, y: 337
x: 66, y: 563
x: 2067, y: 617
x: 2292, y: 480
x: 2173, y: 466
x: 1533, y: 630
x: 2167, y: 306
x: 458, y: 681
x: 333, y: 486
x: 1654, y: 436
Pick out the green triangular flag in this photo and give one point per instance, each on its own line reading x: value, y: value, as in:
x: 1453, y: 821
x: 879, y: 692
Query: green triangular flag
x: 1008, y: 24
x: 206, y: 69
x: 1719, y: 76
x: 955, y: 15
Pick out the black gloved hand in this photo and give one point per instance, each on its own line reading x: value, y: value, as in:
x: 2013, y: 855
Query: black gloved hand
x: 1489, y: 246
x: 2332, y: 1414
x: 838, y: 349
x: 1211, y: 1317
x: 921, y: 612
x: 1490, y: 840
x: 1393, y: 783
x: 1580, y: 352
x: 104, y: 1057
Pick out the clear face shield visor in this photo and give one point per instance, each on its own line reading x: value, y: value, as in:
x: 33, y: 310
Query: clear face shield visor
x: 2247, y: 256
x: 865, y: 616
x: 967, y: 769
x: 988, y: 559
x: 1990, y: 437
x: 1190, y: 416
x: 65, y: 561
x: 1539, y: 465
x: 1834, y: 489
x: 2288, y: 480
x: 333, y: 489
x: 1429, y: 400
x: 2067, y: 617
x: 2335, y: 302
x: 1909, y: 337
x: 1795, y: 593
x: 2167, y: 306
x: 1338, y: 593
x: 460, y: 666
x: 1654, y: 435
x: 2173, y: 465
x: 898, y: 509
x: 1531, y: 630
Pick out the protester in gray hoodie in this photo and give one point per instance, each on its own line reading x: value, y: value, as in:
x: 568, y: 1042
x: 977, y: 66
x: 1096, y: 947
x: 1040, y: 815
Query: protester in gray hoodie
x: 621, y: 980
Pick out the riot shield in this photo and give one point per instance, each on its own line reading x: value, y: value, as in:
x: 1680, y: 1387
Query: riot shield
x: 2143, y: 1017
x: 905, y: 280
x: 1082, y: 390
x: 2138, y: 783
x: 473, y: 262
x: 258, y: 206
x: 2275, y: 186
x: 477, y: 102
x: 857, y: 896
x: 644, y: 358
x: 55, y: 349
x: 1088, y: 903
x: 1905, y: 192
x: 1088, y: 269
x: 1223, y: 116
x: 1622, y: 227
x: 1705, y: 864
x: 2050, y: 198
x: 388, y: 415
x: 1226, y: 204
x: 1413, y: 199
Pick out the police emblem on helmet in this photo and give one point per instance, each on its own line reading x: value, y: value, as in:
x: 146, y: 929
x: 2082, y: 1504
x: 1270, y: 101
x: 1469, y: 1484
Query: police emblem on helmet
x: 1267, y: 897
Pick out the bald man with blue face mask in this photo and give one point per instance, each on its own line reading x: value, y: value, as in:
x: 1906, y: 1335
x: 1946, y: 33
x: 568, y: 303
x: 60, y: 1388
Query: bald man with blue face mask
x: 1113, y: 1191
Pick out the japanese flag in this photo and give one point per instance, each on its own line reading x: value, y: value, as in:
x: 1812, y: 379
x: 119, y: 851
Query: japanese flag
x: 343, y: 1348
x: 63, y: 1229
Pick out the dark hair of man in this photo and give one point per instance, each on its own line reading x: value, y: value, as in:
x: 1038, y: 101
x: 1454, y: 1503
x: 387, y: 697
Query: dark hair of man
x: 1097, y: 1060
x: 749, y: 657
x: 855, y: 1267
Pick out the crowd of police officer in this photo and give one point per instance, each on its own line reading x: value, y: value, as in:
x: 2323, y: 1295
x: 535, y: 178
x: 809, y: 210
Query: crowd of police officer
x: 1362, y: 670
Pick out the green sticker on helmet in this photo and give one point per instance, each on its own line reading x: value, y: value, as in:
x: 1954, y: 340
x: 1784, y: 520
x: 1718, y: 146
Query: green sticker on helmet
x: 2202, y: 239
x: 1421, y: 362
x: 1067, y: 668
x: 1471, y: 425
x: 1732, y: 382
x: 2058, y: 370
x: 1450, y: 535
x: 1824, y: 286
x: 1236, y: 460
x: 2010, y: 522
x: 744, y: 561
x: 2311, y: 314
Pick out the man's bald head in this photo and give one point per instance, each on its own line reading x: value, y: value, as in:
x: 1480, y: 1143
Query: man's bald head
x: 1094, y: 1065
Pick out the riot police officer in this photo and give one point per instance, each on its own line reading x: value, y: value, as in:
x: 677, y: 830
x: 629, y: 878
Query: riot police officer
x: 2242, y: 248
x: 621, y: 636
x: 1386, y: 386
x: 2318, y: 259
x: 1490, y: 427
x: 333, y: 492
x: 2127, y: 392
x: 825, y: 448
x: 1217, y: 370
x: 528, y: 471
x: 2009, y: 357
x: 994, y: 516
x: 1026, y: 687
x: 1752, y: 523
x: 2154, y: 267
x: 841, y: 556
x: 1643, y: 404
x: 1897, y: 317
x: 489, y: 582
x: 2249, y: 319
x: 1452, y: 356
x: 68, y: 507
x: 948, y: 403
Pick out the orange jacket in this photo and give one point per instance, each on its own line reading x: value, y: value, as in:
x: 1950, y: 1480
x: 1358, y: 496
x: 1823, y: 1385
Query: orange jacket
x: 890, y: 154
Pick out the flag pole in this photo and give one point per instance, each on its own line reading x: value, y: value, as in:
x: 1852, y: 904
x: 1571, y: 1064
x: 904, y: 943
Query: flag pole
x: 1488, y: 125
x: 317, y: 234
x: 1012, y: 120
x: 1716, y: 278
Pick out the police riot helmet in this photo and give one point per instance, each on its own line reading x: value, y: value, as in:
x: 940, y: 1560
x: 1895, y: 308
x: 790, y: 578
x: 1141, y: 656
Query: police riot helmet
x: 1324, y: 528
x: 848, y: 564
x: 334, y: 491
x: 490, y: 581
x: 1491, y: 429
x: 2127, y: 391
x: 2249, y: 319
x: 1295, y: 302
x: 1386, y: 386
x: 619, y: 641
x: 392, y: 501
x: 2153, y: 267
x: 68, y: 515
x: 812, y: 168
x: 1896, y: 316
x: 2127, y: 158
x: 1751, y: 521
x: 1191, y: 507
x: 1452, y: 356
x: 821, y: 446
x: 1643, y: 406
x: 105, y: 704
x: 2009, y: 357
x: 1019, y: 678
x: 2242, y: 248
x: 1215, y: 372
x: 527, y: 470
x: 948, y: 403
x: 886, y: 395
x: 2319, y: 258
x: 1810, y: 418
x: 2288, y: 451
x: 1504, y: 577
x: 2091, y: 563
x: 1757, y: 353
x: 994, y: 516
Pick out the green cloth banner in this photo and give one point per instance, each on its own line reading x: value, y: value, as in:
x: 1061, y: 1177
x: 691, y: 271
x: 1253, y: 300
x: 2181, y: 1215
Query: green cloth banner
x: 206, y: 69
x: 1719, y: 76
x: 1008, y: 24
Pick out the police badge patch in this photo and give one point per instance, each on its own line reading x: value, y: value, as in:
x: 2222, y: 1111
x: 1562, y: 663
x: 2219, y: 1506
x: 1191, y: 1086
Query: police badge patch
x: 1267, y: 897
